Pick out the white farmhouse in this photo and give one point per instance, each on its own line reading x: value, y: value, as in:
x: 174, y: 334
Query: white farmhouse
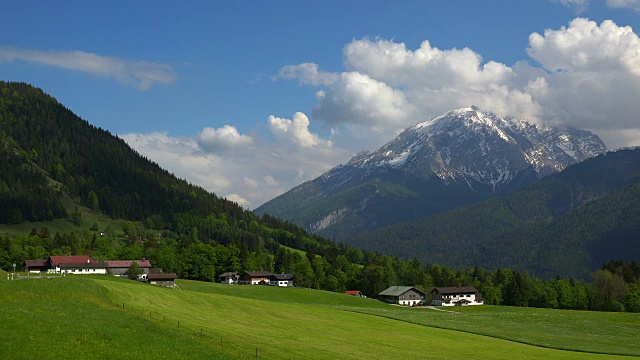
x: 456, y: 296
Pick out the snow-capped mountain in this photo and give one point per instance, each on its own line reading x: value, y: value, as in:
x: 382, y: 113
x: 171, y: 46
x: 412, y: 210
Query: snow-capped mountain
x: 455, y: 159
x: 481, y: 148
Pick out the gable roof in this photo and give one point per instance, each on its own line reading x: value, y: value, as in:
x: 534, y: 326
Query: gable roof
x: 228, y: 274
x: 161, y: 277
x: 63, y: 259
x: 353, y: 292
x: 84, y: 265
x: 35, y: 263
x: 258, y: 273
x: 455, y: 290
x: 127, y: 263
x: 399, y: 290
x: 282, y: 276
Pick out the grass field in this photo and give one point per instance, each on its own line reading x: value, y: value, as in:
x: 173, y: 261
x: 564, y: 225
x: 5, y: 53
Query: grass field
x: 85, y: 313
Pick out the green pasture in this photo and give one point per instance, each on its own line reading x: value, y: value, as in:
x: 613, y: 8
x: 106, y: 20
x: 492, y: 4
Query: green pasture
x: 71, y: 318
x: 588, y: 331
x: 74, y: 316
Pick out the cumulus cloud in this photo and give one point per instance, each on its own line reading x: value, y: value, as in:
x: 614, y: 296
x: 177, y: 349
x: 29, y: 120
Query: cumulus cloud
x: 222, y: 139
x: 265, y: 170
x: 140, y: 74
x: 586, y: 47
x: 295, y: 131
x: 586, y: 75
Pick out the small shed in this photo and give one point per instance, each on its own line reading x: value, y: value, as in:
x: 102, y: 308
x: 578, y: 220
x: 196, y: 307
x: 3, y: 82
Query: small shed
x: 167, y: 280
x: 354, y: 293
x: 36, y: 266
x: 402, y: 295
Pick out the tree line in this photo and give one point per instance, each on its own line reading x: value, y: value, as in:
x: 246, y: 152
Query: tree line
x: 614, y: 287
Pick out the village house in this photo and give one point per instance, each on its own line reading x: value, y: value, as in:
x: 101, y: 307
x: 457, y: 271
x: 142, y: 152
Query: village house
x: 35, y: 266
x: 120, y: 267
x: 456, y: 296
x: 86, y: 268
x: 229, y: 277
x: 283, y: 280
x: 356, y: 293
x: 72, y: 263
x: 255, y: 278
x: 161, y: 279
x: 402, y: 295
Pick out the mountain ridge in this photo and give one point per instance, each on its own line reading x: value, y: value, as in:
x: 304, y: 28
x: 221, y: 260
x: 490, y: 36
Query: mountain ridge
x: 566, y: 224
x: 455, y: 159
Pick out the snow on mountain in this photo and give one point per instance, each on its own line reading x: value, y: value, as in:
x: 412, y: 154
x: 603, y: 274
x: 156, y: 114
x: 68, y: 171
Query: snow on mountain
x: 481, y: 148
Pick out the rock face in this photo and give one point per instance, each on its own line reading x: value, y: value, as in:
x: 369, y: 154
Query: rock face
x: 458, y: 158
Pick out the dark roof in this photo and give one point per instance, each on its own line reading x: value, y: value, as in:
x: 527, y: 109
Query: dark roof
x: 161, y: 277
x: 455, y: 290
x: 227, y: 274
x: 84, y: 265
x: 127, y: 263
x: 57, y: 260
x: 282, y: 276
x: 258, y: 273
x: 399, y: 290
x: 35, y: 263
x: 156, y: 271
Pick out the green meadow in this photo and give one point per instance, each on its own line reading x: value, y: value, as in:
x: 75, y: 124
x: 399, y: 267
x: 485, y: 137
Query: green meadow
x: 78, y: 317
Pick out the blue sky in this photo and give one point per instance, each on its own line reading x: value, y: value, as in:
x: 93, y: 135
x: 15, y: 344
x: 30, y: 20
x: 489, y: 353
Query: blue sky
x: 249, y: 99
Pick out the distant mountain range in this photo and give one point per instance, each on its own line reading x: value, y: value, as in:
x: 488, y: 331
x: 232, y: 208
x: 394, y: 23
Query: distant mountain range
x: 460, y: 158
x: 567, y: 224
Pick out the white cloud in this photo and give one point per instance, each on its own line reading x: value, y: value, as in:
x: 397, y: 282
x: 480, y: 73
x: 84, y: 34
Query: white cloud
x: 577, y: 5
x: 224, y: 138
x: 589, y: 77
x: 239, y: 200
x: 140, y: 74
x: 624, y: 4
x: 295, y: 131
x: 585, y: 46
x: 252, y: 177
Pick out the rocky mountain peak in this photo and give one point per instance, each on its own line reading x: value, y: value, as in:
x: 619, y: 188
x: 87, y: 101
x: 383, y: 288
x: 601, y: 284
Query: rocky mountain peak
x: 481, y: 149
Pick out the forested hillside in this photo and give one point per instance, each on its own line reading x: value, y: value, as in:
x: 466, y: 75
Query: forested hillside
x: 566, y: 224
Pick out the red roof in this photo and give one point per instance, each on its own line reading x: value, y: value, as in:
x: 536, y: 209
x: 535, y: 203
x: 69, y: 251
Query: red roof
x: 127, y: 263
x: 353, y: 292
x: 64, y: 259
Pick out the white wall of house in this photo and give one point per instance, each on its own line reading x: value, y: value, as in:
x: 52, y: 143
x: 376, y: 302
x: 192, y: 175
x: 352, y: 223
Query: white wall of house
x: 86, y: 271
x: 229, y: 280
x: 410, y: 302
x: 453, y: 298
x: 282, y: 283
